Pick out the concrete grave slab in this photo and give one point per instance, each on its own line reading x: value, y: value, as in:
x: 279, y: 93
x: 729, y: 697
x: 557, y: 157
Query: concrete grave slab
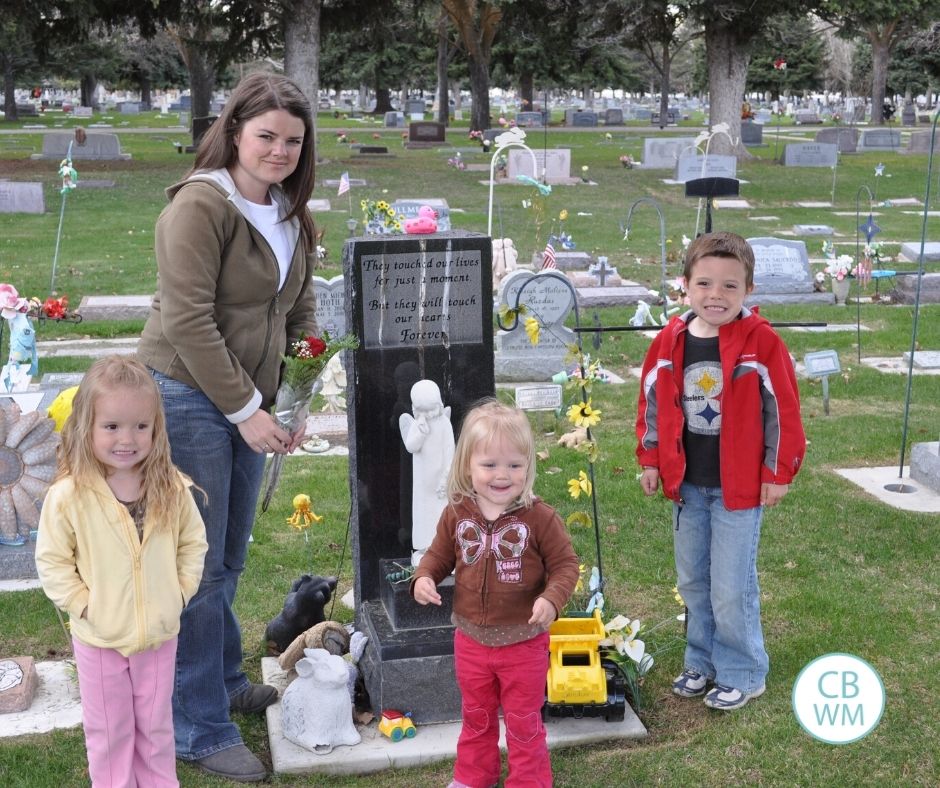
x: 874, y: 481
x: 432, y: 743
x: 812, y: 229
x: 333, y: 183
x: 319, y: 206
x: 814, y: 204
x: 829, y: 328
x: 925, y: 464
x: 895, y: 365
x: 895, y: 201
x: 94, y: 348
x: 122, y: 307
x: 924, y: 359
x: 910, y: 251
x: 731, y: 203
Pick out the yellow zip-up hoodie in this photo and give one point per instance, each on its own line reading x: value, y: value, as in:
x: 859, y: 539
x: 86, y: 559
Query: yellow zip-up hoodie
x: 88, y: 555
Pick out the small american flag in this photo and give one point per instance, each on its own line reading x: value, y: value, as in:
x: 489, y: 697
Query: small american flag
x: 343, y: 184
x: 548, y: 257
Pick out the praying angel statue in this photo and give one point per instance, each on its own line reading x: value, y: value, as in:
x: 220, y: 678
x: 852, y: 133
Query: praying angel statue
x: 429, y: 438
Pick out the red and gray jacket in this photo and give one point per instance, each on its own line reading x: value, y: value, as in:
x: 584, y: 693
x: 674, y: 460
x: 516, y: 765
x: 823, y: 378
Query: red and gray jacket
x: 761, y: 439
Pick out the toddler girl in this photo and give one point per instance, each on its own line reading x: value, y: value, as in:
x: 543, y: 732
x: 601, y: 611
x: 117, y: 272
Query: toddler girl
x: 121, y: 548
x: 514, y: 569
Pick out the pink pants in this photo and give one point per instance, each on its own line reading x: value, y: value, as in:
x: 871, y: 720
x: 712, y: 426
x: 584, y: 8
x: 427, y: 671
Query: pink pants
x: 127, y: 715
x: 512, y: 677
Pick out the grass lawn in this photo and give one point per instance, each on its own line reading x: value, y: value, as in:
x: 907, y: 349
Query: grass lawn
x: 840, y: 572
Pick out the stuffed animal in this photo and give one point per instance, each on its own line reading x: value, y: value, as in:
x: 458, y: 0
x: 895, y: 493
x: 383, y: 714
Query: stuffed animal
x: 331, y: 636
x: 574, y: 438
x: 316, y: 711
x: 303, y: 608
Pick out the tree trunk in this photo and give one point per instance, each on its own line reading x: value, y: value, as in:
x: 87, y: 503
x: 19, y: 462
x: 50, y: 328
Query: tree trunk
x: 443, y: 58
x: 480, y: 93
x: 527, y: 89
x: 9, y: 95
x: 879, y: 73
x: 302, y: 47
x: 664, y: 87
x: 301, y: 22
x: 383, y: 101
x: 727, y: 71
x: 89, y: 84
x: 144, y: 87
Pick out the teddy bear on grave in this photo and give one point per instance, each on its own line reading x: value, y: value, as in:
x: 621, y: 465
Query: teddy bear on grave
x: 303, y: 607
x: 573, y: 438
x: 505, y: 259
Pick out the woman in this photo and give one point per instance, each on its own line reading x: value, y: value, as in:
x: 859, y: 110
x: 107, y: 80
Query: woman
x: 235, y: 254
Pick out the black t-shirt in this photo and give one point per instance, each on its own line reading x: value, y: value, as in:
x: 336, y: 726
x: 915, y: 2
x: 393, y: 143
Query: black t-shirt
x: 701, y: 405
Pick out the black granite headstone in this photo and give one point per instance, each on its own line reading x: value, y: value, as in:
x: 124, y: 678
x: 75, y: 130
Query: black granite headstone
x: 422, y: 309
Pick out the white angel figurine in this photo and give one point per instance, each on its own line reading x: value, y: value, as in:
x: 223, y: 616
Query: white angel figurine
x: 429, y: 438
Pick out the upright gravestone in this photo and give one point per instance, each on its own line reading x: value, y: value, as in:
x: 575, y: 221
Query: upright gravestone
x: 752, y: 133
x: 662, y: 153
x: 919, y: 142
x: 556, y: 163
x: 422, y: 309
x: 613, y: 116
x: 394, y: 120
x: 693, y: 165
x: 844, y: 137
x: 409, y: 208
x: 549, y: 300
x: 331, y: 305
x: 425, y: 134
x: 810, y: 154
x: 880, y: 139
x: 21, y: 197
x: 531, y: 118
x: 782, y: 274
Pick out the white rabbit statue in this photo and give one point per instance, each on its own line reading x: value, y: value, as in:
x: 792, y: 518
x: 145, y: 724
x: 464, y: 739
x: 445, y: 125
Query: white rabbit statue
x: 316, y: 711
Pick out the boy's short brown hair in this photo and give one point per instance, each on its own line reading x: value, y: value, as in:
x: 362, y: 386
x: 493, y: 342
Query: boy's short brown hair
x: 720, y: 245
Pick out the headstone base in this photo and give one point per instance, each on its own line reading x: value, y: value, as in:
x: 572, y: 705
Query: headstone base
x: 409, y: 670
x: 789, y: 298
x: 925, y: 464
x: 905, y: 289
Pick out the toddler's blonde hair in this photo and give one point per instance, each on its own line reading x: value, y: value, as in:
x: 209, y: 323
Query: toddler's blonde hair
x: 485, y: 422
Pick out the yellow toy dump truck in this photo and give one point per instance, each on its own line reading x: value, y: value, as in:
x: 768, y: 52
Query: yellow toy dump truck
x: 580, y: 682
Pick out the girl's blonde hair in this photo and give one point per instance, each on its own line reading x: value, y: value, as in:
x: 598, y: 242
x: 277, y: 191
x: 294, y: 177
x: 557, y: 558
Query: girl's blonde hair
x: 161, y: 485
x: 485, y: 422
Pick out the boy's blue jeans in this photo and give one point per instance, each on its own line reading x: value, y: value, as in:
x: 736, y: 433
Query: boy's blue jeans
x: 716, y: 560
x: 210, y: 450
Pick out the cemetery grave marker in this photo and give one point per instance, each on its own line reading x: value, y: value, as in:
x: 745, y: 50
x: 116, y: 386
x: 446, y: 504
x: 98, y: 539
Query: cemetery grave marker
x: 330, y: 310
x: 55, y: 146
x: 613, y: 116
x: 879, y: 139
x: 810, y: 154
x: 422, y: 308
x: 662, y: 153
x: 752, y: 133
x: 529, y: 119
x: 550, y: 299
x: 919, y: 142
x: 844, y: 137
x: 425, y: 134
x: 588, y: 119
x: 394, y: 120
x: 556, y: 163
x: 21, y: 197
x: 692, y: 165
x: 408, y: 208
x: 782, y: 274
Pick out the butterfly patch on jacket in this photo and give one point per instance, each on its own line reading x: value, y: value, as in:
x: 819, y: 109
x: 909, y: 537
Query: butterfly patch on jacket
x: 507, y: 543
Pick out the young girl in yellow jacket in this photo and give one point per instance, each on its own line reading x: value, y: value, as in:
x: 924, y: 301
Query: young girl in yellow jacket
x: 120, y: 547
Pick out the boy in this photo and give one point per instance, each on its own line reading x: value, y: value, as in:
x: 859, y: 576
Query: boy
x: 719, y: 425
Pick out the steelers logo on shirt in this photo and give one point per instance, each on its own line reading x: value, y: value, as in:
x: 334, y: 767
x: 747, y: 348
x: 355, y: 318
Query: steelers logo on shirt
x: 701, y: 397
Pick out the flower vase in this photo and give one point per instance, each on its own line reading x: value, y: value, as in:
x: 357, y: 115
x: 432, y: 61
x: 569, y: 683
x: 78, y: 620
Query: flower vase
x: 840, y: 289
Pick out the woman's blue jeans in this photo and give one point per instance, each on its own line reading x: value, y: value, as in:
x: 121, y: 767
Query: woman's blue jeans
x: 716, y: 560
x: 208, y: 448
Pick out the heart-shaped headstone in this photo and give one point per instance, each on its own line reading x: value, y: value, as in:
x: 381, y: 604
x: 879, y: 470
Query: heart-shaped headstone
x: 547, y: 295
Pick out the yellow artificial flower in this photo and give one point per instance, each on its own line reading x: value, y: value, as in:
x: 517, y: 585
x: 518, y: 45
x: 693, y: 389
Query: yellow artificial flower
x: 583, y: 415
x: 563, y: 215
x: 532, y: 329
x: 579, y: 485
x: 677, y: 596
x: 579, y: 586
x: 382, y: 205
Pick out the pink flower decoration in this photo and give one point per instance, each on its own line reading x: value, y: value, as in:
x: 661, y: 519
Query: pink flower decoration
x: 10, y: 302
